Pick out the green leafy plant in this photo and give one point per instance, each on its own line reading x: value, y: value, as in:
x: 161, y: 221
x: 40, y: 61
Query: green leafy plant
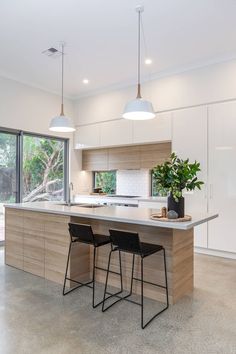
x: 175, y: 175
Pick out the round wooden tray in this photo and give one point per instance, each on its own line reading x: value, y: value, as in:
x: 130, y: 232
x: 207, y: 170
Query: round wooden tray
x: 160, y: 218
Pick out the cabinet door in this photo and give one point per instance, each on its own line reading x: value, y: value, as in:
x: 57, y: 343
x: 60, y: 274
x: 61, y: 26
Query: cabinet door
x: 153, y: 130
x: 118, y: 132
x: 95, y: 160
x: 222, y: 176
x: 87, y: 136
x: 123, y: 158
x: 33, y: 260
x: 190, y: 141
x: 14, y: 238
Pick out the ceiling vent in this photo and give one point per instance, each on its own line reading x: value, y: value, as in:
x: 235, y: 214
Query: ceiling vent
x: 52, y: 52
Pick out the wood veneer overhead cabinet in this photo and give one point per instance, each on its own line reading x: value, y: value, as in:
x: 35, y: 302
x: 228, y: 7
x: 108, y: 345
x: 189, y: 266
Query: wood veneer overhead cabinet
x: 126, y: 157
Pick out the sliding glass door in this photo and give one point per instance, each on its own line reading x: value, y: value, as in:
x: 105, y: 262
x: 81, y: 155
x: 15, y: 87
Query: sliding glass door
x: 32, y: 168
x: 8, y: 173
x: 43, y: 168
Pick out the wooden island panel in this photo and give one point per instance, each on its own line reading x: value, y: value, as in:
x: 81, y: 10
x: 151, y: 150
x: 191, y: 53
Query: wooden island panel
x: 38, y: 243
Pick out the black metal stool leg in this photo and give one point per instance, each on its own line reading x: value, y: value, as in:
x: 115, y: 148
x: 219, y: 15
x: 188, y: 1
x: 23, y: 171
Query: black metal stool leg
x: 66, y: 277
x: 165, y: 287
x: 142, y: 293
x: 94, y: 264
x: 121, y: 277
x: 167, y: 295
x: 67, y: 264
x: 106, y: 283
x: 132, y: 278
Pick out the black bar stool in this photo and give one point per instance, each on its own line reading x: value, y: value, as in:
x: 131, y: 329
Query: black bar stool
x: 129, y: 242
x: 84, y: 234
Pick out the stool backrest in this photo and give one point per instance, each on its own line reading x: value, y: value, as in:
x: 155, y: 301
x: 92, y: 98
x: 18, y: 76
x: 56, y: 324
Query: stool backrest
x: 82, y: 232
x: 125, y: 240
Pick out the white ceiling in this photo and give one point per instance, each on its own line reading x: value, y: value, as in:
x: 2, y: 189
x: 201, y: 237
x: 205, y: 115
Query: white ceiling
x: 101, y: 39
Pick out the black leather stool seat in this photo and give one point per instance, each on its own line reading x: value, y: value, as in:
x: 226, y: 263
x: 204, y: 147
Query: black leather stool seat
x: 101, y: 240
x: 149, y: 248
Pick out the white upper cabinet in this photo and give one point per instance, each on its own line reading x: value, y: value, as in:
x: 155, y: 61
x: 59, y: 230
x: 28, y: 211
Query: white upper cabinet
x: 189, y: 140
x: 222, y: 176
x: 153, y: 130
x: 115, y: 133
x: 87, y: 136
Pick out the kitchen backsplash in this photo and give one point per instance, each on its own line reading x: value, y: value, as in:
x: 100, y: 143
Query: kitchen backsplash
x: 133, y: 182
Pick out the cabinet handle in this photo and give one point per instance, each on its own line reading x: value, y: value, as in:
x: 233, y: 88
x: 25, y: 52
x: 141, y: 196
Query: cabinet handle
x: 211, y: 191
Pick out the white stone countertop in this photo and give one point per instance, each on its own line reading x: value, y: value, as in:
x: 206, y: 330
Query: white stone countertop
x: 113, y: 213
x: 106, y: 198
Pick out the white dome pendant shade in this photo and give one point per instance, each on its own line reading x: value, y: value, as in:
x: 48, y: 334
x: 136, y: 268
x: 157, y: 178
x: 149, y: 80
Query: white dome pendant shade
x: 139, y: 109
x: 61, y: 123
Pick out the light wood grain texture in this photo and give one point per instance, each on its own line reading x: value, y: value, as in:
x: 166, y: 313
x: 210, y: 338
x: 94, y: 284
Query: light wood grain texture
x: 126, y: 157
x: 95, y: 160
x: 179, y: 252
x: 45, y: 252
x: 14, y: 238
x: 38, y: 243
x: 154, y: 154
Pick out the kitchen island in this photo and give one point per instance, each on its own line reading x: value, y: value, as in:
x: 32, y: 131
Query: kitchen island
x: 37, y: 241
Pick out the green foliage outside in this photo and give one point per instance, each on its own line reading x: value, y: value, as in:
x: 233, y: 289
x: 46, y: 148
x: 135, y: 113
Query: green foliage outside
x: 42, y: 162
x: 106, y: 181
x: 175, y: 175
x: 43, y: 165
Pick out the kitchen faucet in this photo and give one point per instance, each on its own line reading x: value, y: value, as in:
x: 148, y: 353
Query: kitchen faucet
x: 71, y: 187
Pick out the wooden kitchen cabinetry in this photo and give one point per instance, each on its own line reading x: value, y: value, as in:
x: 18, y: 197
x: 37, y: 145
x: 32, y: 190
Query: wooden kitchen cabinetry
x: 123, y: 158
x: 95, y: 160
x: 38, y: 243
x: 126, y: 157
x: 14, y: 238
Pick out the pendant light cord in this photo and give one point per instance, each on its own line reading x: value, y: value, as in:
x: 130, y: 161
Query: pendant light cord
x: 139, y: 58
x: 62, y: 79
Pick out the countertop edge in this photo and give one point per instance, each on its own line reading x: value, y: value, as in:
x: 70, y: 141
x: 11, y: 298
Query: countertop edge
x: 170, y: 225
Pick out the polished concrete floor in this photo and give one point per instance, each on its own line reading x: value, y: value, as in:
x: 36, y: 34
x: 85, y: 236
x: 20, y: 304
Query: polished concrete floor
x: 36, y: 318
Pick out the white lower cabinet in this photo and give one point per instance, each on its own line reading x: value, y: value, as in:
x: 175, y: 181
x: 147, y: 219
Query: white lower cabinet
x: 189, y: 140
x: 222, y: 176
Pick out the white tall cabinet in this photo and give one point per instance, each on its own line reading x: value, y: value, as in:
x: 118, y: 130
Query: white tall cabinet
x: 189, y: 140
x: 222, y: 176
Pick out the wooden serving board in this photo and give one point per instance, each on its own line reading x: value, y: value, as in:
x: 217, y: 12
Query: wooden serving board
x: 160, y: 218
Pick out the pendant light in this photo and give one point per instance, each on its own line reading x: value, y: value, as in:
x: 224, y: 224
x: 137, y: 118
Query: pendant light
x: 139, y: 109
x: 61, y: 123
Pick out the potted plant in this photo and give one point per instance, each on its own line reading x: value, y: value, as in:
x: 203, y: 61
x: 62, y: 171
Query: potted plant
x: 172, y: 177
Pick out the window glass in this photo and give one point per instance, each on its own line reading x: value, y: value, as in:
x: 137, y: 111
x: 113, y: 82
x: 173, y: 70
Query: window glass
x: 106, y: 180
x: 43, y: 168
x: 155, y: 191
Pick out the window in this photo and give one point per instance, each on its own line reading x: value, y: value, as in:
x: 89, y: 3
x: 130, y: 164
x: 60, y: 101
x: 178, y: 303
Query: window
x: 154, y: 191
x: 106, y: 180
x: 32, y: 168
x: 43, y: 168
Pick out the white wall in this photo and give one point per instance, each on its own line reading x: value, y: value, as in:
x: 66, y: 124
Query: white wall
x: 201, y: 86
x: 31, y: 109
